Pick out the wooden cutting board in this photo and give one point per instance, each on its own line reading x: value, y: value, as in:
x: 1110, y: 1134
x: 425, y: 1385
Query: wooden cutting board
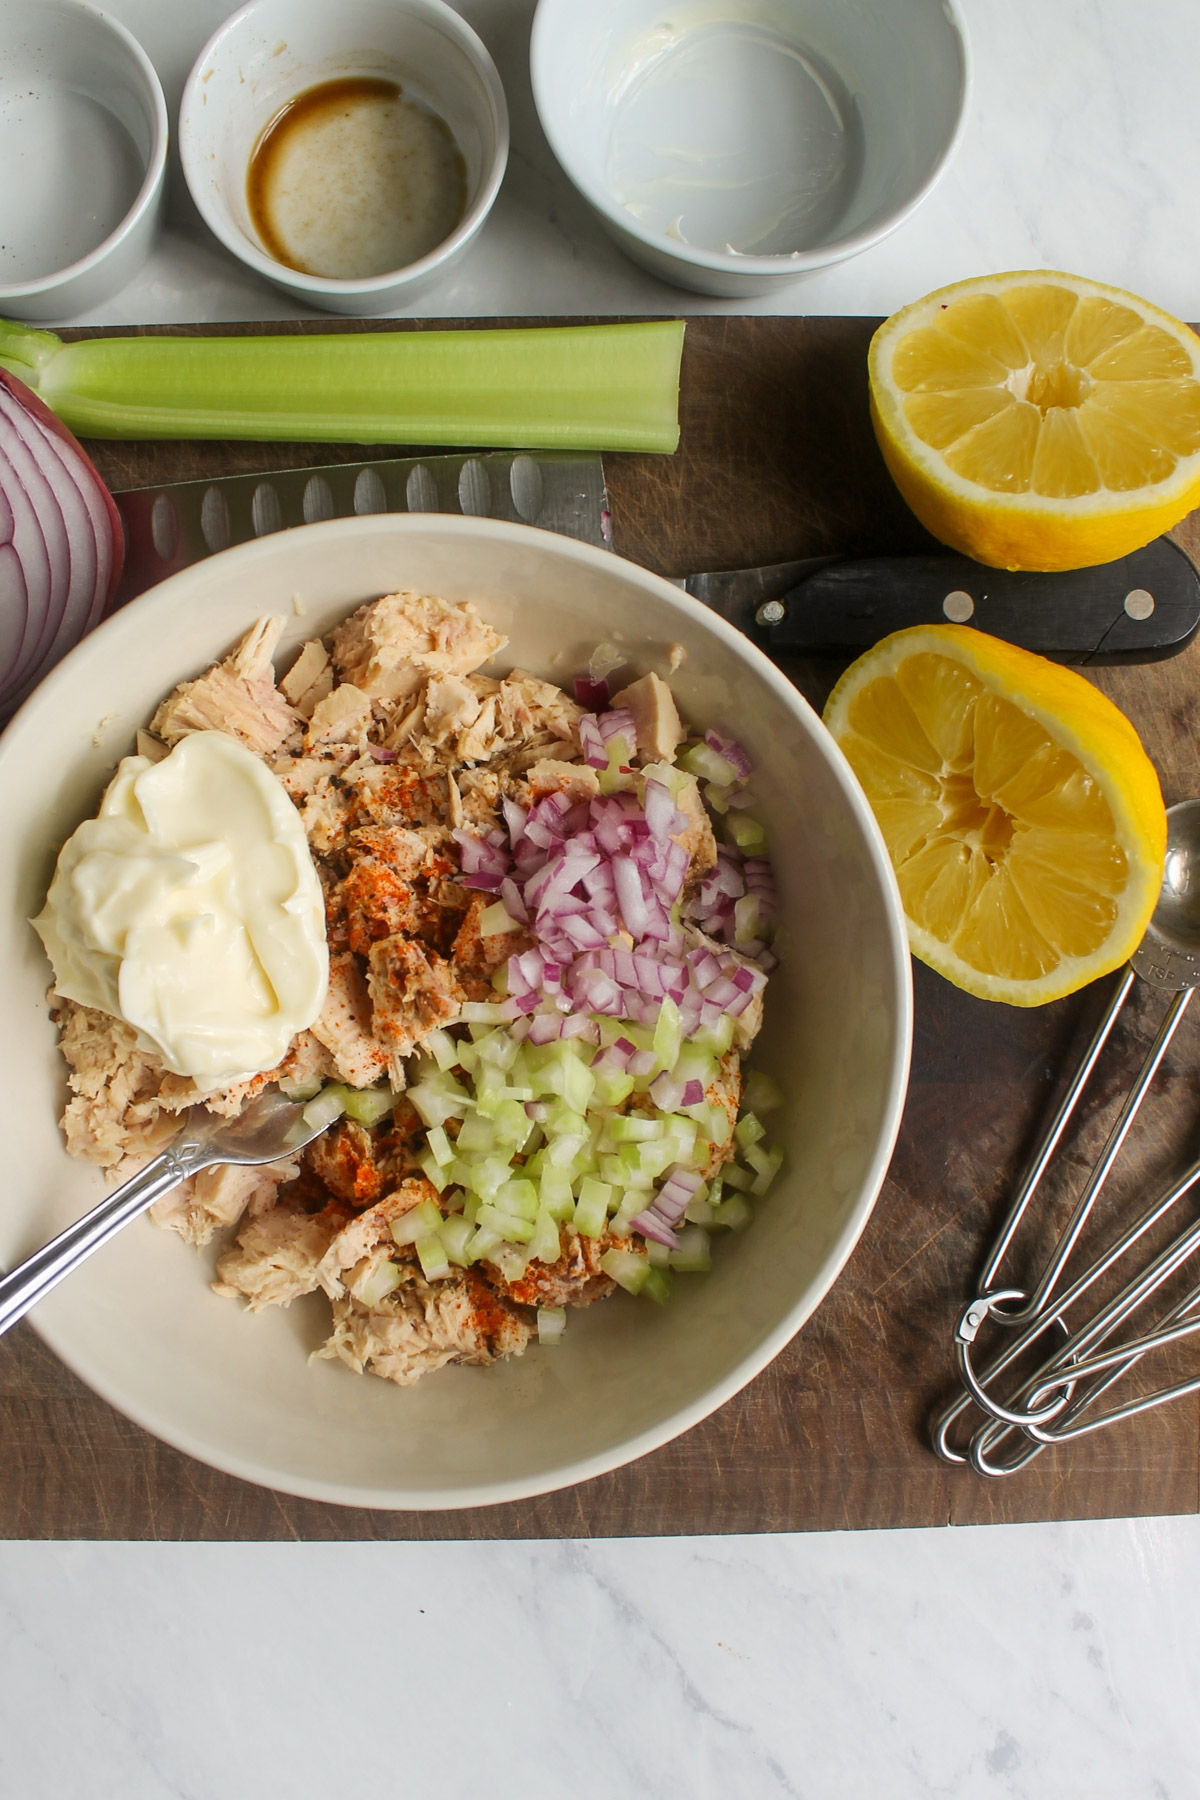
x: 777, y: 460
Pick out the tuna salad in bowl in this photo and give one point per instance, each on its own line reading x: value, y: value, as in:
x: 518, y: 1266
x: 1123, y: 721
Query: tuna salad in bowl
x: 609, y: 1002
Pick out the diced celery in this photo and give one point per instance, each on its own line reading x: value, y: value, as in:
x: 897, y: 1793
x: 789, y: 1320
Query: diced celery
x: 611, y: 1168
x: 735, y: 1213
x: 433, y: 1170
x: 659, y: 1254
x: 627, y: 1268
x: 657, y: 1286
x: 369, y: 1106
x: 471, y: 1206
x: 612, y: 1087
x: 468, y: 1056
x: 703, y: 761
x: 499, y: 1048
x: 417, y: 1222
x: 735, y: 1177
x: 668, y: 1034
x: 554, y: 1193
x: 748, y: 1130
x: 487, y: 1176
x: 714, y: 1040
x: 496, y: 919
x: 431, y: 1254
x: 518, y: 1197
x: 484, y: 1243
x: 551, y: 1323
x: 438, y: 1097
x: 299, y: 1090
x: 376, y: 1285
x: 656, y: 1157
x: 692, y: 1253
x: 517, y: 1231
x: 510, y: 1261
x: 673, y: 779
x: 513, y: 1124
x: 720, y: 1125
x: 562, y: 1120
x: 325, y: 1107
x: 442, y: 1047
x: 700, y: 1211
x: 760, y: 1093
x: 746, y: 833
x: 456, y: 1233
x: 545, y: 1245
x: 591, y: 1208
x: 440, y: 1144
x: 569, y: 1150
x: 766, y: 1163
x: 478, y: 1135
x: 631, y: 1128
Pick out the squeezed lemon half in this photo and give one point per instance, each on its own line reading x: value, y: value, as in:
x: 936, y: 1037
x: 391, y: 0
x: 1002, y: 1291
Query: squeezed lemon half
x: 1038, y: 420
x: 1022, y: 816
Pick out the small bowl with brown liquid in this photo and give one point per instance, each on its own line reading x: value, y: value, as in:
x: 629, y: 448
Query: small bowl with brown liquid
x: 350, y: 153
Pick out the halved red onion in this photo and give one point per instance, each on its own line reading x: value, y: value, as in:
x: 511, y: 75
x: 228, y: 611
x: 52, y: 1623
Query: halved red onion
x: 61, y: 544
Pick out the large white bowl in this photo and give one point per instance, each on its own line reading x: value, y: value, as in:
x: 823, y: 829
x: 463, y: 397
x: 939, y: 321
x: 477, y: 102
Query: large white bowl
x: 730, y: 146
x: 138, y: 1322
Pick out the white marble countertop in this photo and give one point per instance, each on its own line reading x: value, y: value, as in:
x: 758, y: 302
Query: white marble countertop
x: 1020, y: 1661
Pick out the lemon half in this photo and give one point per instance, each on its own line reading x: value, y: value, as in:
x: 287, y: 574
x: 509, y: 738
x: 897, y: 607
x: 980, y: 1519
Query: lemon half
x: 1022, y: 816
x: 1038, y: 420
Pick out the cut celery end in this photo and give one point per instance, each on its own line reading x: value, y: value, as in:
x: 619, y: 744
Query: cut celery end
x: 551, y: 1323
x: 419, y: 1221
x: 657, y: 1285
x: 431, y: 1254
x: 627, y: 1268
x: 369, y: 1106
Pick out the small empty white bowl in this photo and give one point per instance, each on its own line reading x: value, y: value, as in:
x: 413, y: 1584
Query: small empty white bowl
x: 272, y: 52
x: 731, y: 145
x: 83, y: 154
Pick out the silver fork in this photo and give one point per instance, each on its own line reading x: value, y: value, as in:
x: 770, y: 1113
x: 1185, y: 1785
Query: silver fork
x: 271, y: 1127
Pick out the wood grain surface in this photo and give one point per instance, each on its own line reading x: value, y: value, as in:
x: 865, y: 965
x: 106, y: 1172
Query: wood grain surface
x: 776, y: 460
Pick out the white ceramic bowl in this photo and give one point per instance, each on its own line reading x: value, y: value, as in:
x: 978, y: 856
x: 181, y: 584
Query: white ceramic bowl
x: 83, y: 155
x: 138, y: 1322
x: 271, y: 51
x: 730, y: 146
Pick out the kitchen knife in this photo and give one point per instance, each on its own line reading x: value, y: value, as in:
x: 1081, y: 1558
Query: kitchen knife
x: 1144, y: 607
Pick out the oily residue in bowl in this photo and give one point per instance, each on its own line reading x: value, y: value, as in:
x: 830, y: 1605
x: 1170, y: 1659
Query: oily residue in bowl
x: 353, y: 179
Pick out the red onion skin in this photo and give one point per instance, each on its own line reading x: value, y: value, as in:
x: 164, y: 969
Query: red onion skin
x: 54, y: 426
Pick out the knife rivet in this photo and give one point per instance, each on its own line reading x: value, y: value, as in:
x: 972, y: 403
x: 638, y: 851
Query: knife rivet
x: 1139, y: 603
x: 958, y: 606
x: 770, y: 612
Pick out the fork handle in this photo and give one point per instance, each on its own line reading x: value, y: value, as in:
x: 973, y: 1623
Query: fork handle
x: 33, y: 1278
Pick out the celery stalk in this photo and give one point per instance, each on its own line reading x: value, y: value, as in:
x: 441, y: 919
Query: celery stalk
x: 581, y: 387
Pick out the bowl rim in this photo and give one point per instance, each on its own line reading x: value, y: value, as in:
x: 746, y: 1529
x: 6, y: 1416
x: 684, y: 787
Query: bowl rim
x: 784, y: 264
x: 146, y: 620
x: 156, y: 164
x: 455, y: 28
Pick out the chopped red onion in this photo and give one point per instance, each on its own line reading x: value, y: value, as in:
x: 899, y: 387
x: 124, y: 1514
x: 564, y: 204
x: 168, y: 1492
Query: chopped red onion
x: 589, y: 693
x: 731, y: 751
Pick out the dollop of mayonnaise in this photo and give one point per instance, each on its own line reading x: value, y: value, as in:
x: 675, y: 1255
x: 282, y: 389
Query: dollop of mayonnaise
x: 190, y: 908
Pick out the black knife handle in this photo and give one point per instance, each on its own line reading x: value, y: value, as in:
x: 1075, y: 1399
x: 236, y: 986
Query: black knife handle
x: 1141, y: 608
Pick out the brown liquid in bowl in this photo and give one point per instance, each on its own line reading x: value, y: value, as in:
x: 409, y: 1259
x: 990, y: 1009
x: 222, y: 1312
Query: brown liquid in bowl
x: 351, y: 179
